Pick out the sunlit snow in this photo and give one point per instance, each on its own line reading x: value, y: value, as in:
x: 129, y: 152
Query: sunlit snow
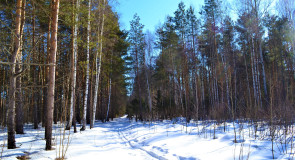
x: 125, y: 139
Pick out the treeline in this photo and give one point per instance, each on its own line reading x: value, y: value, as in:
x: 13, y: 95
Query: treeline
x: 210, y: 66
x: 68, y: 61
x: 60, y: 61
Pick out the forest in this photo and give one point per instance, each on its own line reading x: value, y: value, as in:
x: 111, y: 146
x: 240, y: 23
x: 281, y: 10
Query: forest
x: 69, y: 62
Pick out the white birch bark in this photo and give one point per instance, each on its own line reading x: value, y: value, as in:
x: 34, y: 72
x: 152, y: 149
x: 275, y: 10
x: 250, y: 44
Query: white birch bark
x: 253, y: 72
x: 149, y: 50
x: 74, y: 66
x: 87, y: 69
x: 98, y: 66
x: 149, y: 92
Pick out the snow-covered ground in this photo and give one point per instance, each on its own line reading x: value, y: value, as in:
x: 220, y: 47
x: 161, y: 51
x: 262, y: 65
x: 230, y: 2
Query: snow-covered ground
x: 124, y: 139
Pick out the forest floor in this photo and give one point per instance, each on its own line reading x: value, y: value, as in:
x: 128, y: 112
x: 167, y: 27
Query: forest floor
x: 125, y: 139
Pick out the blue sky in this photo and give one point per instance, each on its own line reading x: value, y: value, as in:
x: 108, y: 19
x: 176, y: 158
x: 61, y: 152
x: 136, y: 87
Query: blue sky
x: 151, y: 12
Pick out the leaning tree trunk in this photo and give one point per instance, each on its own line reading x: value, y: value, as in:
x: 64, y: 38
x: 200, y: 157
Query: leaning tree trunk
x: 12, y: 87
x: 98, y: 67
x: 19, y: 124
x: 51, y: 83
x: 73, y: 68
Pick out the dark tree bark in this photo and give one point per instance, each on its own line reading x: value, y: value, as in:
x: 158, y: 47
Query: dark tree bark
x: 46, y: 73
x: 35, y: 94
x: 19, y: 124
x: 12, y: 87
x: 51, y: 83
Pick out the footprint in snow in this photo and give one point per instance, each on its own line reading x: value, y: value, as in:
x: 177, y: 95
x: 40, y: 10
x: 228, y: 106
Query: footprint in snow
x: 161, y: 149
x: 185, y: 158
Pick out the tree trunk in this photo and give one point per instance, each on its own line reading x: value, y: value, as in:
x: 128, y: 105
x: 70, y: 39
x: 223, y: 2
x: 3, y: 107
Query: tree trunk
x: 19, y: 126
x: 89, y: 102
x: 149, y: 91
x: 110, y: 90
x: 147, y: 81
x: 2, y: 113
x: 87, y: 69
x: 12, y: 88
x: 109, y: 102
x: 98, y: 66
x: 203, y: 89
x: 35, y: 94
x: 74, y: 66
x: 263, y: 73
x: 79, y: 98
x: 253, y: 72
x: 138, y: 83
x: 227, y: 82
x: 51, y: 83
x: 46, y: 73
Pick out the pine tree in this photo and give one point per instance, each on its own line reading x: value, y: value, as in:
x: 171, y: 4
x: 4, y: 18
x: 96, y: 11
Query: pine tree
x: 19, y: 126
x: 137, y: 51
x: 211, y: 15
x: 12, y: 87
x: 52, y: 62
x: 192, y: 31
x: 228, y: 51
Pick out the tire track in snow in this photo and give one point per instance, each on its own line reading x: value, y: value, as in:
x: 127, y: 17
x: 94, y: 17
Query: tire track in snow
x: 152, y: 154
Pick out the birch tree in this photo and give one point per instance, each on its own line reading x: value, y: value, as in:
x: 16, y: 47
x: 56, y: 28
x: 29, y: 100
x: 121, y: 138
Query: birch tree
x: 87, y: 69
x: 98, y: 61
x: 149, y: 48
x: 74, y: 64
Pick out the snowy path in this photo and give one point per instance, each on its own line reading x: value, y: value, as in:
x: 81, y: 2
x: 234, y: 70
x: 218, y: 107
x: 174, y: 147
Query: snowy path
x: 108, y: 143
x: 122, y: 139
x: 152, y: 154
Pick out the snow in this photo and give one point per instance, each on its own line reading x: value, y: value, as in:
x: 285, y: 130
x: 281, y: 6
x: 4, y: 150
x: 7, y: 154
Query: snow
x: 125, y: 139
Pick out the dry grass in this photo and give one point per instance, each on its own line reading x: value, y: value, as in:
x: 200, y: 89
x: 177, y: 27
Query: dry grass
x: 23, y: 157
